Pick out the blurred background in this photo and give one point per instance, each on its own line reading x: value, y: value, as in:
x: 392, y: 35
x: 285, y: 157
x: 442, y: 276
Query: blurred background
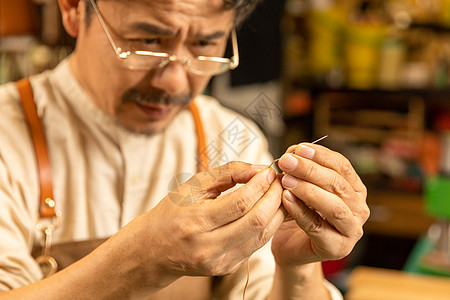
x: 372, y: 75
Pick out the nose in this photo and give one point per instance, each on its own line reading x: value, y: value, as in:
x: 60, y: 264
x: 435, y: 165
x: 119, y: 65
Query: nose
x: 172, y: 78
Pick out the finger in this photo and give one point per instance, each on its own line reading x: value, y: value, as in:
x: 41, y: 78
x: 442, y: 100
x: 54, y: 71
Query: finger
x: 227, y: 176
x: 236, y: 250
x: 326, y: 191
x: 210, y: 184
x: 257, y: 227
x: 329, y: 205
x: 291, y: 149
x: 308, y: 219
x: 332, y: 160
x: 305, y: 169
x: 250, y: 246
x: 326, y: 240
x: 234, y: 205
x: 239, y: 239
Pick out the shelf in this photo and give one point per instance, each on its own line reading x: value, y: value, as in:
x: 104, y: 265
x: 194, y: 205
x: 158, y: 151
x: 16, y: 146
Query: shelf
x: 368, y: 117
x: 397, y: 214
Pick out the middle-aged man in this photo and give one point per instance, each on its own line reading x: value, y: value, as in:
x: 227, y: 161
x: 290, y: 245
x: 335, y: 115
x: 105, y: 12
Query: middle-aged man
x: 124, y: 121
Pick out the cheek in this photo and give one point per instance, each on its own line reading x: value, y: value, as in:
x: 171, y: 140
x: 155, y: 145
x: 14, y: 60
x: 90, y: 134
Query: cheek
x: 198, y: 84
x: 123, y: 79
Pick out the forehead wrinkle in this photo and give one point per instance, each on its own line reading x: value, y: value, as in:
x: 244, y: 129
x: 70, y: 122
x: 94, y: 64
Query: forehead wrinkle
x: 153, y: 29
x: 157, y: 30
x: 170, y: 18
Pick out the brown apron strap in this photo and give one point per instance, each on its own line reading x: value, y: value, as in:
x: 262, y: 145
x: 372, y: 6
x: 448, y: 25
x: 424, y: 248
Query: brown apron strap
x: 203, y: 161
x: 47, y: 204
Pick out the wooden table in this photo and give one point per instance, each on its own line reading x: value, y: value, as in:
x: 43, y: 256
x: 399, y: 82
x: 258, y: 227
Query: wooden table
x: 367, y: 283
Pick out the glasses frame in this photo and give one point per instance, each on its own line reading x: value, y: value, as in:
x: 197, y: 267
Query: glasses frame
x: 231, y: 63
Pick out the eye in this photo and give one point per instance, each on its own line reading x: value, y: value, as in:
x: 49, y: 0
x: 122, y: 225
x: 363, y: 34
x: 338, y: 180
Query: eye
x: 205, y: 43
x: 151, y: 41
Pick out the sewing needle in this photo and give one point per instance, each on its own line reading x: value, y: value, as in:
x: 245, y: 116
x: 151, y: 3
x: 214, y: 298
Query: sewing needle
x: 316, y: 141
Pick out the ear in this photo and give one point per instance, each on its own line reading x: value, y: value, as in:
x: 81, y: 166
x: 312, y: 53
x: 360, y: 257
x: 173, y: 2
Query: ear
x: 70, y: 12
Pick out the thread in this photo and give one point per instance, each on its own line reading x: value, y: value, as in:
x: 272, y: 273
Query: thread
x: 248, y: 264
x: 248, y: 278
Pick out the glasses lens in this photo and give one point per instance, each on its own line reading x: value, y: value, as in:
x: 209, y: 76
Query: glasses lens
x: 145, y: 60
x: 208, y: 65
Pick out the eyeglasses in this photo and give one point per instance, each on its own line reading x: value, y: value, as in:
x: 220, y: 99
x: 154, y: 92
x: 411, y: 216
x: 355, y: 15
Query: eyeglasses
x: 148, y: 60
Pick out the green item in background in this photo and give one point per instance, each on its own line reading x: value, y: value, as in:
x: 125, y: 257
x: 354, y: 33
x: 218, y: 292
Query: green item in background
x: 437, y: 196
x: 414, y: 262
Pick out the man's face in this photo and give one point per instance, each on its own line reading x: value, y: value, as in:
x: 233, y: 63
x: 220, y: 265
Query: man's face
x: 147, y: 101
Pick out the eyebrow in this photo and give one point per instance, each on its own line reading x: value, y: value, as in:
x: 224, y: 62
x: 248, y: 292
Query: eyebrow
x: 153, y: 29
x: 150, y: 28
x: 212, y: 36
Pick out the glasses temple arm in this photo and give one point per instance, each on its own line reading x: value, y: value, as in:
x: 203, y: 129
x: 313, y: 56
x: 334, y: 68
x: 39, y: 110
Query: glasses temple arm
x: 105, y: 28
x: 235, y: 57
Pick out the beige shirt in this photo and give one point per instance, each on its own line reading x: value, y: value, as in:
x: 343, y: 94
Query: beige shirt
x: 104, y: 176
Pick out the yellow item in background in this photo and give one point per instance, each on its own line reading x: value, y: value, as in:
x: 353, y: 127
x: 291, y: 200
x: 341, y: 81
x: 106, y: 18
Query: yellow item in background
x: 362, y: 54
x: 325, y: 40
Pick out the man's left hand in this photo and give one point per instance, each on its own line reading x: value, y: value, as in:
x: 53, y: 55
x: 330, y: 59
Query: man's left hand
x: 326, y: 201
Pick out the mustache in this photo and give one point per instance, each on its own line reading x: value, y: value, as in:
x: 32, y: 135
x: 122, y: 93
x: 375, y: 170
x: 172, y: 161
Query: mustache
x: 156, y: 96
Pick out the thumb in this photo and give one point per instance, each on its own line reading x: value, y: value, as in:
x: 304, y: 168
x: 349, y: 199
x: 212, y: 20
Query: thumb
x: 210, y: 184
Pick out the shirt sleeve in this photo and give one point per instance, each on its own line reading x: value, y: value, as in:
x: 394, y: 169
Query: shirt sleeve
x: 18, y: 182
x: 17, y: 267
x: 334, y: 292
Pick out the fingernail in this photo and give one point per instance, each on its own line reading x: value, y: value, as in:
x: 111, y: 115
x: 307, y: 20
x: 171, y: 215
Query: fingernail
x: 289, y: 196
x: 289, y: 181
x: 272, y: 175
x: 305, y: 151
x: 288, y: 162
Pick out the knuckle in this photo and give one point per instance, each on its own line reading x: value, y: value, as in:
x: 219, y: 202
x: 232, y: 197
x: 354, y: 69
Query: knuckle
x: 338, y: 185
x: 364, y: 191
x: 208, y: 267
x: 266, y: 235
x: 229, y: 167
x: 232, y: 165
x: 365, y: 214
x: 310, y: 190
x: 341, y: 213
x: 291, y: 149
x: 347, y: 249
x: 346, y: 167
x: 224, y: 269
x: 359, y: 233
x: 181, y: 227
x: 257, y: 222
x: 308, y: 170
x: 342, y: 250
x: 199, y: 259
x: 221, y: 266
x: 315, y: 225
x: 185, y: 228
x: 201, y: 178
x: 242, y: 205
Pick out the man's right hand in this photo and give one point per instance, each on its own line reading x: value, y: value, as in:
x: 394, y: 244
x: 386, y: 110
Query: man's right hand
x: 184, y: 235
